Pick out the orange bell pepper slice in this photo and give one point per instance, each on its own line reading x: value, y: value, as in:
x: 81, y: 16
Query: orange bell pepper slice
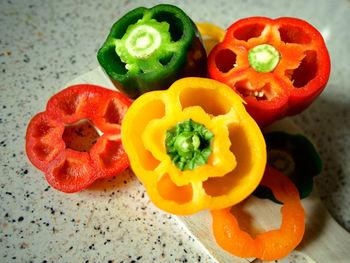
x: 271, y: 245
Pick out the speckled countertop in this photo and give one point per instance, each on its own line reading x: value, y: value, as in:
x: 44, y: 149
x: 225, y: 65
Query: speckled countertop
x: 45, y: 44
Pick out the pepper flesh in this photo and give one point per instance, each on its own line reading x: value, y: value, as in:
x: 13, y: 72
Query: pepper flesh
x: 70, y: 170
x: 233, y: 169
x: 292, y: 85
x: 148, y: 49
x: 273, y: 244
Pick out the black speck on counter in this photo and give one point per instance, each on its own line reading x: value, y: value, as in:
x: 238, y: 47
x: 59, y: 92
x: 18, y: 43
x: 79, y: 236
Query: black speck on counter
x: 26, y: 58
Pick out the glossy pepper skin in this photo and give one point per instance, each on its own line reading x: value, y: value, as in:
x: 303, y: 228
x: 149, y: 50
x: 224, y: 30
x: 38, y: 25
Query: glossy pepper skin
x: 273, y: 244
x: 288, y: 87
x: 70, y: 170
x: 296, y: 157
x: 180, y: 52
x: 238, y: 151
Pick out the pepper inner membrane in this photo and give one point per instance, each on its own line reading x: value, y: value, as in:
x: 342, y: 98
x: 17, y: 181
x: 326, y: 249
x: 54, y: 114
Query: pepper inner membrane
x: 71, y: 170
x: 112, y: 151
x: 115, y: 112
x: 81, y: 136
x: 69, y: 104
x: 292, y: 34
x: 170, y: 191
x: 151, y: 110
x: 306, y: 71
x: 249, y: 31
x: 176, y: 26
x: 43, y: 151
x: 241, y: 148
x: 207, y: 99
x: 42, y: 129
x: 247, y: 90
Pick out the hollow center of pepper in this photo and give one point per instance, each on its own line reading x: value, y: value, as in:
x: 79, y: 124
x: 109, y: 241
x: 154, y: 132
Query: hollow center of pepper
x: 263, y: 58
x: 145, y: 45
x: 80, y: 136
x: 189, y: 144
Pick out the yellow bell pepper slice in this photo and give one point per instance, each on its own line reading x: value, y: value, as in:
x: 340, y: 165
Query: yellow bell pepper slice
x: 211, y: 34
x: 234, y: 167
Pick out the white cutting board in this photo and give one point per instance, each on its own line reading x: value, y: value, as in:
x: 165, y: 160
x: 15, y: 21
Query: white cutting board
x: 324, y: 240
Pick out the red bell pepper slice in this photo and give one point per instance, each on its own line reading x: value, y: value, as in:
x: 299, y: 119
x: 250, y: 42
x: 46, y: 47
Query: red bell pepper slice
x: 276, y: 80
x: 70, y: 170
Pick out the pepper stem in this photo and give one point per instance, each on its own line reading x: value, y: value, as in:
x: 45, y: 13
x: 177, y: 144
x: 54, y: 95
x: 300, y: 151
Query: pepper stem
x: 263, y: 58
x: 142, y: 41
x: 186, y: 143
x: 189, y: 144
x: 145, y: 44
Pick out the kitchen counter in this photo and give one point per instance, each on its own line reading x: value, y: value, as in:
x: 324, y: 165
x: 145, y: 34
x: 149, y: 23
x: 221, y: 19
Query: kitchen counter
x: 44, y: 45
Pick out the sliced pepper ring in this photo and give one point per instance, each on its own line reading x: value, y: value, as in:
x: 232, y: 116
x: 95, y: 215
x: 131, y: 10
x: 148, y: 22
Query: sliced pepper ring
x: 233, y: 169
x: 271, y: 245
x: 287, y: 53
x: 70, y: 170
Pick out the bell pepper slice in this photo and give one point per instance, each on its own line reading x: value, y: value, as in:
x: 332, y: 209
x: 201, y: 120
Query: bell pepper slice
x: 278, y: 66
x: 194, y: 146
x: 49, y: 146
x: 211, y: 34
x: 273, y: 244
x: 296, y: 157
x: 148, y: 49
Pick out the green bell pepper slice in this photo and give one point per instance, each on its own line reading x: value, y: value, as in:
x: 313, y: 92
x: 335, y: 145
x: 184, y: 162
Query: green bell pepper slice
x: 296, y: 157
x: 148, y: 49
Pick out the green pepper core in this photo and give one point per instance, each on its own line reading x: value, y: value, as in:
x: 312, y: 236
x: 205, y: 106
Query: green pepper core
x: 189, y: 144
x: 263, y: 58
x: 145, y: 44
x: 150, y: 48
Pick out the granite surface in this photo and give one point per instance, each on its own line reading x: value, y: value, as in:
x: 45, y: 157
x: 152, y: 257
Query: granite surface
x: 45, y: 44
